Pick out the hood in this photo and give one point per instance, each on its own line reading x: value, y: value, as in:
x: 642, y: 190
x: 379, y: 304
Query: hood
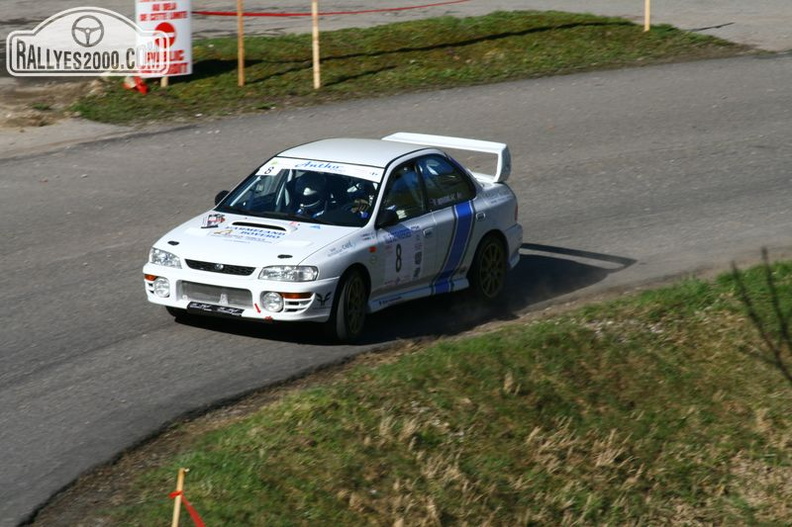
x: 249, y: 240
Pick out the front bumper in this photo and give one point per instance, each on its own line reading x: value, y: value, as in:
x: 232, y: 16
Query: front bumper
x: 238, y: 296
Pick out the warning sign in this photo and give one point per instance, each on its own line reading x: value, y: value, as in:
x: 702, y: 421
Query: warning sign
x: 173, y: 19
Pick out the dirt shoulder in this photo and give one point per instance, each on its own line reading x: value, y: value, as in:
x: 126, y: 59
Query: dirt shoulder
x: 36, y: 116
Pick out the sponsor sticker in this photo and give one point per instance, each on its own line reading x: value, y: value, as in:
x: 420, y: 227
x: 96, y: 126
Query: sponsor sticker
x: 323, y: 300
x: 363, y: 172
x: 249, y: 234
x: 217, y: 310
x: 213, y: 221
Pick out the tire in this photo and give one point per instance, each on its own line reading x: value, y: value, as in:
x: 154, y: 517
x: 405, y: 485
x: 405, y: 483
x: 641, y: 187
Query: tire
x: 348, y: 316
x: 487, y: 275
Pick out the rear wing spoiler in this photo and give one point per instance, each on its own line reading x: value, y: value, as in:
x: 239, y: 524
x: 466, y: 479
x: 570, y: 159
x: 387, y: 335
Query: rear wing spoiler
x: 501, y: 150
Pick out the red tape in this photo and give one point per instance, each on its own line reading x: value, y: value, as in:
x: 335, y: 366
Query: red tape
x: 196, y: 518
x: 328, y: 13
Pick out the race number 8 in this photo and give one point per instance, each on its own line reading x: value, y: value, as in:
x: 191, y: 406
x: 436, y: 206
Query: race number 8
x: 398, y: 257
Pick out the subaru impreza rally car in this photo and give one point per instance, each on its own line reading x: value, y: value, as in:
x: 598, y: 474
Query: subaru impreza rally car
x: 338, y: 228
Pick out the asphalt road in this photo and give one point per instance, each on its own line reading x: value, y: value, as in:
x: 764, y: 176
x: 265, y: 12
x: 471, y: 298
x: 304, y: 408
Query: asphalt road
x: 624, y: 178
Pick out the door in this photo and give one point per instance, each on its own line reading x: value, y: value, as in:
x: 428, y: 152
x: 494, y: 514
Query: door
x: 450, y: 196
x: 406, y: 247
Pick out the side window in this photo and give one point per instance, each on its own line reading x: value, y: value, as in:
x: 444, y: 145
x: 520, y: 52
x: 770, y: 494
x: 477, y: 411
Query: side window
x: 405, y: 193
x: 446, y: 184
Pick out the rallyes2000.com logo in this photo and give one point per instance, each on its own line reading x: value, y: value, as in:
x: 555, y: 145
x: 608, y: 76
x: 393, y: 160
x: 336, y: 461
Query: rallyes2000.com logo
x: 87, y: 41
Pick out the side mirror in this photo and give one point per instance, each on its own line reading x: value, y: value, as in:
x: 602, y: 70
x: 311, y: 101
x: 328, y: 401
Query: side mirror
x: 387, y: 218
x: 220, y: 196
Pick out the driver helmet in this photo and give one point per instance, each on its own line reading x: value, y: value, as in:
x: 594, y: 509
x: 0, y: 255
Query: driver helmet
x: 311, y: 194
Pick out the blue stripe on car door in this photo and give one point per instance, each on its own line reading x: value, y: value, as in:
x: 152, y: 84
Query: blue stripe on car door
x: 463, y: 227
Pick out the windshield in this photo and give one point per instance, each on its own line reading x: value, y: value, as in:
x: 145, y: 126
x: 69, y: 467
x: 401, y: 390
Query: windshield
x: 303, y: 195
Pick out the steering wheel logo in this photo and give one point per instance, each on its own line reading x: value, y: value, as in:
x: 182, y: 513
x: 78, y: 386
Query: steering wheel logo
x: 87, y: 31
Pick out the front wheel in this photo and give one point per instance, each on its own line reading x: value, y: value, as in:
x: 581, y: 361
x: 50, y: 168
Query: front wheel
x: 487, y: 274
x: 348, y: 316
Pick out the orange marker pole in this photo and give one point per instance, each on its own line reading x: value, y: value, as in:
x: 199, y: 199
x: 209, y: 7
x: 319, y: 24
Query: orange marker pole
x: 317, y: 76
x: 240, y: 44
x: 177, y: 501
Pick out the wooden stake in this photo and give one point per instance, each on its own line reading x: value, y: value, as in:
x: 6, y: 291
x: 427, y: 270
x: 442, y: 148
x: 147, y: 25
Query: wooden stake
x: 164, y: 82
x: 647, y: 14
x: 240, y: 44
x: 317, y: 76
x: 178, y: 499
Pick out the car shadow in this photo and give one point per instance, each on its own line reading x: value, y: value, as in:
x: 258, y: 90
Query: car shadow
x: 544, y: 272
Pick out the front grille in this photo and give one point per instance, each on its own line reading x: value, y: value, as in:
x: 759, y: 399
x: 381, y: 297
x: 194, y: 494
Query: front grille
x: 212, y: 294
x: 212, y: 267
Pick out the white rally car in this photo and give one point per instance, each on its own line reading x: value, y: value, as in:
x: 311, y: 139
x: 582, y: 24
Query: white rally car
x: 335, y: 229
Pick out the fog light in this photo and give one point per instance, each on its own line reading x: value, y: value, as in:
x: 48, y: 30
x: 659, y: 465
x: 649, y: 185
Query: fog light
x: 272, y: 302
x: 162, y: 287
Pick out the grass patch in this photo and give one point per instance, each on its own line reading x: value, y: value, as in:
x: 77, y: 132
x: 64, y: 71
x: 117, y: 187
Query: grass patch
x: 403, y: 57
x: 649, y: 410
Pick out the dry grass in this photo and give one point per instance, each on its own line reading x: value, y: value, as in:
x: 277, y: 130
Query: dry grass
x: 645, y: 411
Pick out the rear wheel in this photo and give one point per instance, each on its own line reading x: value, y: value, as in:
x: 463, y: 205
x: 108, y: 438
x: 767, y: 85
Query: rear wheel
x: 348, y: 316
x: 487, y: 274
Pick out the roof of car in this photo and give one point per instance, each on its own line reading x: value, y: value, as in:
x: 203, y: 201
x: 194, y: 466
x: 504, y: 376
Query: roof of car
x: 369, y: 152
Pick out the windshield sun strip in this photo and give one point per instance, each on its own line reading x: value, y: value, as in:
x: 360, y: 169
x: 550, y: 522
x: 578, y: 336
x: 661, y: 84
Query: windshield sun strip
x: 360, y: 171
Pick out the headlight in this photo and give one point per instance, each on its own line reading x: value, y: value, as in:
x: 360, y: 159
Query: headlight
x: 272, y: 302
x: 160, y: 257
x: 289, y: 273
x: 162, y: 287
